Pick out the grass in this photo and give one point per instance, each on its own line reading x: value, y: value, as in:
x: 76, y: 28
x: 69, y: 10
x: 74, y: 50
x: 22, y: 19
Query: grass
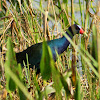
x: 74, y: 75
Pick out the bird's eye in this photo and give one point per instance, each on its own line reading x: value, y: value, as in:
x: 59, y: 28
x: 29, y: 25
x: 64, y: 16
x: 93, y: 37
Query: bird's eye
x: 77, y: 28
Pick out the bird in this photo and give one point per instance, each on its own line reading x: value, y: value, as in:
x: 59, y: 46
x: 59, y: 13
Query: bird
x: 34, y: 52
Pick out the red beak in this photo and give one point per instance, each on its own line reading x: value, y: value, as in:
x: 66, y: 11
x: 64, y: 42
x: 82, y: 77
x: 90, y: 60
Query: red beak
x: 81, y: 31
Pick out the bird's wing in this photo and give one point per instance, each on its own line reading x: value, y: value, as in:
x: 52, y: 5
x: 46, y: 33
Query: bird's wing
x: 34, y: 54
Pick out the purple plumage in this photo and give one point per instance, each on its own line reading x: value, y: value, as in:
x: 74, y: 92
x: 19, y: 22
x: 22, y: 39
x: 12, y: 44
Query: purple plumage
x: 60, y: 45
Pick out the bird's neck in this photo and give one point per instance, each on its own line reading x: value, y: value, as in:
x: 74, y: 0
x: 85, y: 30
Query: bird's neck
x: 63, y: 43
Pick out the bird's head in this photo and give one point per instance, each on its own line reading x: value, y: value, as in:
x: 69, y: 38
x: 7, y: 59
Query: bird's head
x: 75, y: 29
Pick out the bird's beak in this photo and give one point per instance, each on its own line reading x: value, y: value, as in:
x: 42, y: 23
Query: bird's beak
x: 81, y: 31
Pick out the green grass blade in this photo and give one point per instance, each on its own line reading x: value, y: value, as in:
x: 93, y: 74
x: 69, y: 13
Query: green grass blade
x: 45, y: 62
x: 10, y: 63
x: 78, y: 90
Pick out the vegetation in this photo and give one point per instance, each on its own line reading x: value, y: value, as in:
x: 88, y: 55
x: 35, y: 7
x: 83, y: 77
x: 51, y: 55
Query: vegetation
x: 76, y: 73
